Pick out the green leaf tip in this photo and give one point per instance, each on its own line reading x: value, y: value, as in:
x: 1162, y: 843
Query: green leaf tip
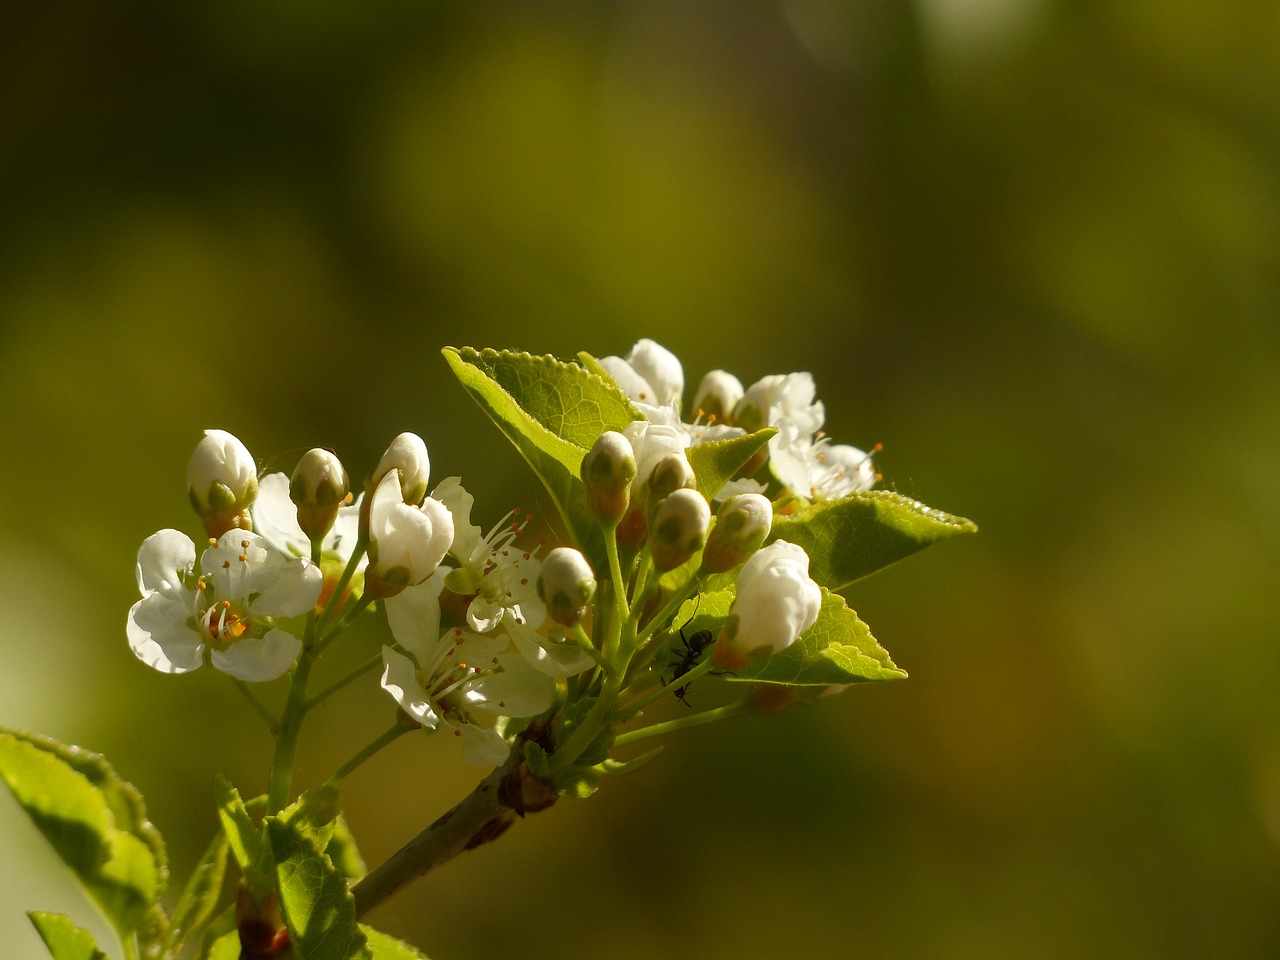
x: 94, y: 820
x: 63, y: 938
x: 853, y: 537
x: 837, y: 650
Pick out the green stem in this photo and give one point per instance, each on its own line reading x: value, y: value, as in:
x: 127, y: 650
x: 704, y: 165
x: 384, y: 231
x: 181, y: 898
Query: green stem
x: 335, y: 598
x: 337, y: 685
x: 669, y: 610
x: 634, y: 709
x: 620, y: 611
x: 259, y: 707
x: 590, y: 728
x: 684, y: 723
x: 388, y: 737
x: 295, y: 709
x: 579, y: 636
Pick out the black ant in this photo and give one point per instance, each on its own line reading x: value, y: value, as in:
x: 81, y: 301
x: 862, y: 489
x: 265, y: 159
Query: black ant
x: 689, y: 656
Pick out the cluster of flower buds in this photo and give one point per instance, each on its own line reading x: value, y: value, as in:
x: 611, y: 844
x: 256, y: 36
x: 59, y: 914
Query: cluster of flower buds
x: 801, y: 457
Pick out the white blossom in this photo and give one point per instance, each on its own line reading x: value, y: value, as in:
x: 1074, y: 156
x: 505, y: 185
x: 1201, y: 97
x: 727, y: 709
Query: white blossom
x: 228, y: 611
x: 442, y: 677
x: 500, y: 577
x: 775, y: 601
x: 406, y: 542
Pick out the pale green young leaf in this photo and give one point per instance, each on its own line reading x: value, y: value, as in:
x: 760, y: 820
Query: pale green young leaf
x: 244, y: 838
x: 555, y: 458
x: 314, y: 900
x: 716, y: 462
x: 94, y: 820
x: 64, y: 939
x: 314, y: 814
x: 344, y: 853
x: 849, y: 538
x: 389, y: 948
x: 199, y: 900
x: 837, y: 649
x: 226, y: 947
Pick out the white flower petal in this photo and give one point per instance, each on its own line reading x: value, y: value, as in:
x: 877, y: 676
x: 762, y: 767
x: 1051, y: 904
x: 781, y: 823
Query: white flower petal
x: 661, y: 368
x: 400, y: 679
x: 481, y: 745
x: 414, y: 616
x: 259, y: 658
x: 163, y: 559
x: 633, y: 384
x: 562, y: 659
x: 294, y: 590
x: 519, y: 690
x: 159, y: 636
x: 275, y: 517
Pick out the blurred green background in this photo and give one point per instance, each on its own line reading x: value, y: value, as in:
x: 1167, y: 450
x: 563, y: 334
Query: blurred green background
x: 1033, y: 247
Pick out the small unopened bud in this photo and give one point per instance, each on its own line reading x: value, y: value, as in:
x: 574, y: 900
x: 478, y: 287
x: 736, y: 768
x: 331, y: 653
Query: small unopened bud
x: 742, y: 523
x: 679, y: 529
x: 566, y: 585
x: 775, y: 602
x: 660, y: 367
x: 222, y: 481
x: 407, y: 453
x: 718, y: 393
x: 607, y: 472
x: 318, y: 488
x: 669, y: 474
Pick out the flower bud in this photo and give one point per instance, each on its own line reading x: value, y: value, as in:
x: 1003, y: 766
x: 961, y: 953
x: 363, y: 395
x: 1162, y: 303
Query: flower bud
x: 407, y: 453
x: 566, y: 585
x: 318, y: 488
x: 607, y: 472
x: 679, y: 528
x: 742, y: 523
x: 718, y: 393
x: 668, y: 475
x: 776, y: 601
x: 406, y: 542
x: 661, y: 368
x: 222, y: 481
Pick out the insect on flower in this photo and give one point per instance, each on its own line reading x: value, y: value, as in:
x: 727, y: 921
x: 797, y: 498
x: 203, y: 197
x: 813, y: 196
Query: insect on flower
x: 688, y: 654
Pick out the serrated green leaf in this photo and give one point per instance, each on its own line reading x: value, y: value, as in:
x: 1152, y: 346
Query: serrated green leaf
x: 93, y: 819
x: 344, y: 853
x: 389, y: 948
x: 314, y: 900
x: 64, y: 939
x: 837, y: 649
x: 199, y: 900
x: 552, y: 412
x: 716, y: 462
x: 314, y: 813
x: 244, y: 839
x: 848, y: 539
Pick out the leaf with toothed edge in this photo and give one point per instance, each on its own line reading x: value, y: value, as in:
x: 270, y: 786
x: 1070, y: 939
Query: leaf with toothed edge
x: 553, y: 412
x: 853, y: 537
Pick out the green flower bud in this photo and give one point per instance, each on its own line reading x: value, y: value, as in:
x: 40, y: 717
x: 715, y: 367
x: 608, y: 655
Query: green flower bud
x: 566, y: 585
x: 742, y: 524
x: 671, y: 473
x: 222, y: 481
x: 408, y: 454
x: 679, y: 528
x: 607, y: 472
x: 318, y: 487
